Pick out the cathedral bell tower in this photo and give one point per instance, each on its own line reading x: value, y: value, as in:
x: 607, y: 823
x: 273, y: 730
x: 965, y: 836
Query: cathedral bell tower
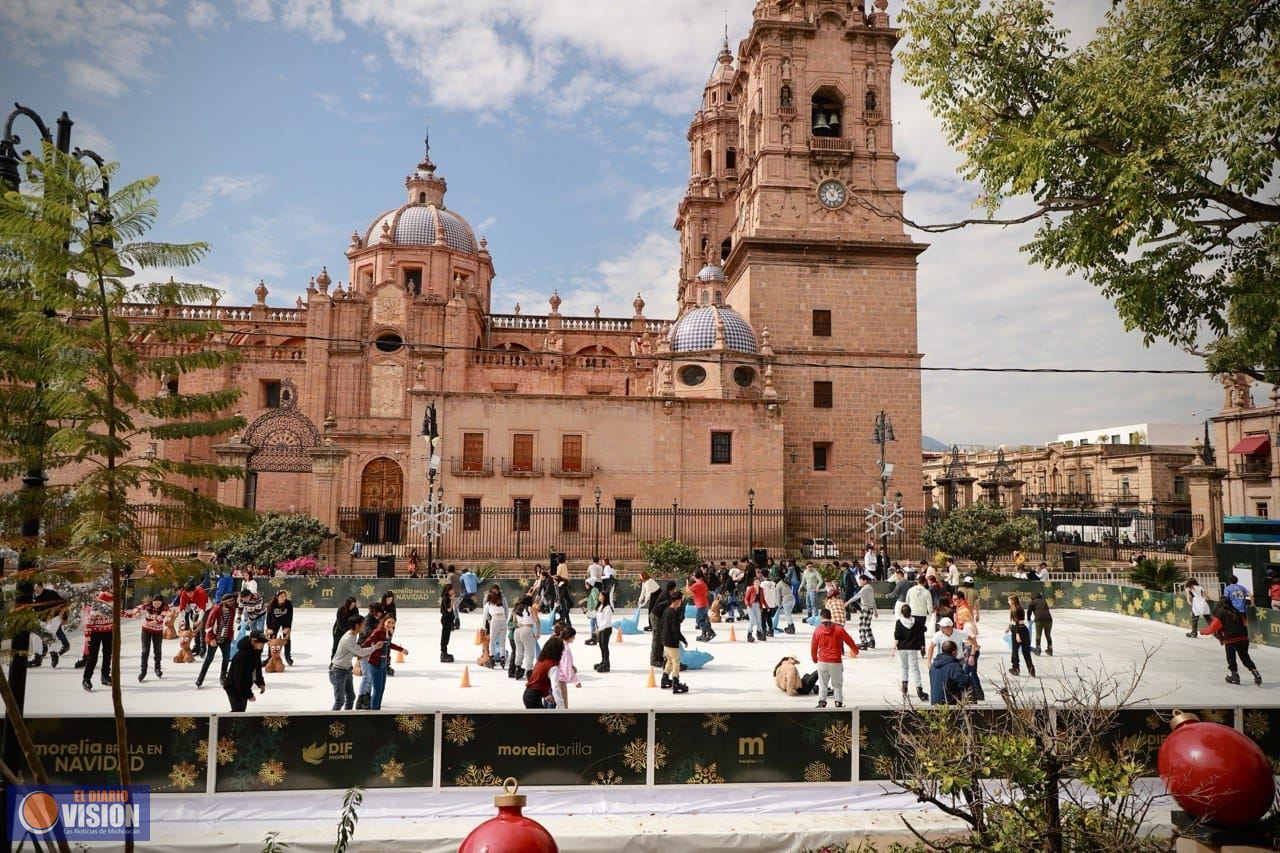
x: 818, y: 253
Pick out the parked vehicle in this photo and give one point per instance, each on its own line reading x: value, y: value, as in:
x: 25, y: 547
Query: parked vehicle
x: 822, y: 549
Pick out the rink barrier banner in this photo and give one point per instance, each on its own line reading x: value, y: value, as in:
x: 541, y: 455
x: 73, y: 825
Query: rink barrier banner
x: 167, y: 753
x: 753, y: 747
x: 543, y: 748
x: 301, y: 752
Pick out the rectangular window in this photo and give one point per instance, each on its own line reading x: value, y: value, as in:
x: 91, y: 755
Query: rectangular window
x: 470, y: 513
x: 821, y: 323
x: 721, y: 448
x: 271, y: 394
x: 1071, y: 483
x: 1261, y: 509
x: 1124, y: 485
x: 1179, y: 485
x: 1088, y: 482
x: 622, y: 515
x: 571, y: 453
x: 413, y: 280
x: 822, y: 395
x: 522, y: 451
x: 520, y: 512
x: 1135, y: 438
x: 821, y: 455
x: 473, y: 451
x: 569, y: 515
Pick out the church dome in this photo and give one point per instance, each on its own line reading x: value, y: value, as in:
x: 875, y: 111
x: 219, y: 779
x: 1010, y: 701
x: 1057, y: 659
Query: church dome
x: 711, y: 272
x: 696, y: 330
x: 415, y: 225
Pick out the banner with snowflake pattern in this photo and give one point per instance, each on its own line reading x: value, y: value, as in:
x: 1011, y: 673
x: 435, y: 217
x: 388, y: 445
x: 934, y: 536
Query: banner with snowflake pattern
x: 543, y: 748
x: 167, y: 753
x: 324, y: 751
x: 715, y: 748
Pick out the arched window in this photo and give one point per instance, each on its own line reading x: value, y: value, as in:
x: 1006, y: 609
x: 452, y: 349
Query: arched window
x: 706, y: 163
x: 872, y: 104
x: 725, y: 247
x: 731, y: 159
x: 785, y: 99
x: 827, y: 113
x: 422, y: 198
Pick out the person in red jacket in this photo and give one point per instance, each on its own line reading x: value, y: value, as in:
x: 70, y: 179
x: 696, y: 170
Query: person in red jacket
x: 193, y: 596
x: 827, y: 651
x: 152, y: 613
x: 1229, y: 626
x: 380, y: 660
x: 97, y: 632
x: 218, y: 628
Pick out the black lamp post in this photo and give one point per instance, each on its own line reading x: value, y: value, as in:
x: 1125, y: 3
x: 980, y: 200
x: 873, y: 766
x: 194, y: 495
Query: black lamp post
x: 882, y: 434
x: 751, y: 524
x: 596, y: 550
x: 431, y: 431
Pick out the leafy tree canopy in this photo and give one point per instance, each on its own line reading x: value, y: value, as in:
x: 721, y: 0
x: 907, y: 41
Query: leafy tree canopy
x: 275, y: 539
x: 1149, y: 153
x: 979, y: 532
x: 670, y: 556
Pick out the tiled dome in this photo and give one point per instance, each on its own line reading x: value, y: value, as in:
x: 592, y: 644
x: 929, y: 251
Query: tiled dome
x: 415, y: 225
x: 711, y: 272
x: 696, y: 330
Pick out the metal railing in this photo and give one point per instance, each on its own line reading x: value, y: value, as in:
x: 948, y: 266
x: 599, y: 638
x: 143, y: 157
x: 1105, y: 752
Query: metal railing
x: 1253, y: 467
x: 521, y: 468
x: 463, y: 466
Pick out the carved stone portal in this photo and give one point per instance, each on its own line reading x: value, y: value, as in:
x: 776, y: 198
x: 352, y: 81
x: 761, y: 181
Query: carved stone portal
x: 388, y: 307
x: 281, y: 438
x: 386, y: 391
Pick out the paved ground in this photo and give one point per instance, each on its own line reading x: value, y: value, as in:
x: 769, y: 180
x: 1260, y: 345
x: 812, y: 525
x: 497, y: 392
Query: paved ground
x: 1182, y: 671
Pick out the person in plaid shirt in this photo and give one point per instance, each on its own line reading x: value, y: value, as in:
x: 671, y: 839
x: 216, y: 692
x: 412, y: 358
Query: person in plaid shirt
x: 835, y: 604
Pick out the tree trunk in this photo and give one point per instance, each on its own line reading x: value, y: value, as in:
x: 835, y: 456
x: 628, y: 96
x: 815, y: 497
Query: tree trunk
x: 28, y: 747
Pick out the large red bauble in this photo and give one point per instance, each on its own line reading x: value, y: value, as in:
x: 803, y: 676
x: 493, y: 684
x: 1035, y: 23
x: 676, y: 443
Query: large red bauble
x: 1216, y: 773
x: 510, y: 831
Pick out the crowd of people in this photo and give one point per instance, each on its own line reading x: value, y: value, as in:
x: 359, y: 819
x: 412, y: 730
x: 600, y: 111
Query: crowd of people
x: 936, y: 616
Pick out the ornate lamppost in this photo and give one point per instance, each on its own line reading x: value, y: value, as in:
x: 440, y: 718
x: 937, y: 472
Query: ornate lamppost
x: 596, y: 550
x: 751, y: 524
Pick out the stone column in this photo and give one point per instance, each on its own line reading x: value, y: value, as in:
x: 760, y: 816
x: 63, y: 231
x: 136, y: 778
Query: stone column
x: 233, y: 454
x: 1012, y: 495
x: 1204, y: 482
x: 326, y: 469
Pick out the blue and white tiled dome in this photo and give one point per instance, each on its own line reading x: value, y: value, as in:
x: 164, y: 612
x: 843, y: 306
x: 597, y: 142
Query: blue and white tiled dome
x: 415, y: 225
x: 696, y: 330
x: 711, y: 272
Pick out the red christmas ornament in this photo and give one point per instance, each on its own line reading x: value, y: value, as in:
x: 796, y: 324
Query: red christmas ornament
x: 1215, y: 773
x: 510, y: 831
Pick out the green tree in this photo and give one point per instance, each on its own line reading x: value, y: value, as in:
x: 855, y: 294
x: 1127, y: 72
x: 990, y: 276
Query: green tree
x: 1164, y: 576
x: 69, y: 245
x: 273, y: 540
x: 1148, y: 154
x: 670, y: 556
x: 979, y: 532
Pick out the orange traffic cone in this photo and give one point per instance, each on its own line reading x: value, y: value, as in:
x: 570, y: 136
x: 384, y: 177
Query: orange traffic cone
x: 652, y: 681
x: 399, y: 657
x: 619, y: 633
x: 733, y: 635
x: 466, y: 677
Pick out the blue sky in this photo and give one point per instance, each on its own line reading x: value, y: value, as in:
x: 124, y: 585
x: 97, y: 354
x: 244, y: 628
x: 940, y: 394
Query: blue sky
x: 280, y: 126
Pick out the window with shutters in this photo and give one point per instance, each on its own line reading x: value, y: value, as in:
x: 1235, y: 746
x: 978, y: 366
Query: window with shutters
x: 822, y: 395
x: 472, y: 451
x: 520, y: 512
x: 721, y: 448
x: 571, y: 453
x: 569, y: 515
x: 470, y: 513
x: 821, y: 323
x: 522, y: 451
x: 622, y: 515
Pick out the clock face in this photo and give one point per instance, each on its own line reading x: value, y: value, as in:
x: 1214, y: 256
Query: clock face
x: 832, y: 194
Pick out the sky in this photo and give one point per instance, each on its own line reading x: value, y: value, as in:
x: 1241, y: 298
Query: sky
x: 278, y: 127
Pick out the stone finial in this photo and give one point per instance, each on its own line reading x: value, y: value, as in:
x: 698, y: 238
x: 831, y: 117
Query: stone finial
x: 213, y: 300
x: 440, y: 232
x: 311, y: 285
x: 882, y: 5
x: 385, y: 236
x: 261, y: 292
x: 458, y: 290
x: 338, y: 292
x: 484, y: 245
x: 323, y: 280
x: 516, y: 310
x: 298, y: 302
x: 720, y: 342
x: 770, y: 392
x: 597, y: 310
x: 355, y: 240
x: 554, y: 301
x: 638, y: 304
x: 766, y: 348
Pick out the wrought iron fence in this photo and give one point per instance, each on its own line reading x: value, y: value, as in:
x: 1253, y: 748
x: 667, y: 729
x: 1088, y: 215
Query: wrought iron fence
x: 523, y: 532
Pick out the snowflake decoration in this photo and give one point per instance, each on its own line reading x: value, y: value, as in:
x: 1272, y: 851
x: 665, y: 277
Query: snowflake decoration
x: 392, y: 771
x: 1077, y: 602
x: 275, y: 723
x: 882, y: 765
x: 1153, y: 721
x: 705, y: 775
x: 817, y: 772
x: 476, y: 777
x: 183, y: 776
x: 409, y: 724
x: 1256, y: 724
x: 715, y: 724
x: 431, y: 519
x: 271, y: 773
x: 308, y: 602
x: 864, y: 737
x: 226, y: 750
x: 1214, y: 716
x: 606, y: 777
x: 984, y: 594
x: 202, y: 752
x: 367, y: 590
x: 1169, y: 618
x: 183, y: 725
x: 635, y: 754
x: 1077, y: 584
x: 836, y: 739
x: 459, y: 730
x: 337, y: 729
x: 313, y: 582
x: 617, y: 723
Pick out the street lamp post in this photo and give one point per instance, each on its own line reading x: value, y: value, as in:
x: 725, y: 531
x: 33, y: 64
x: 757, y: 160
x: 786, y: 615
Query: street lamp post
x: 431, y: 431
x: 897, y: 502
x: 751, y: 524
x: 675, y: 514
x: 596, y: 549
x: 882, y: 434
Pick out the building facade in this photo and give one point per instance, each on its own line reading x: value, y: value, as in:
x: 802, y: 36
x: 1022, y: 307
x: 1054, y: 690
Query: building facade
x: 1245, y: 433
x: 763, y: 390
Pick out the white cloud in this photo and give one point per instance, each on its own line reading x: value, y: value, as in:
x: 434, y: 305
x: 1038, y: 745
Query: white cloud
x: 93, y: 80
x: 201, y: 15
x: 312, y: 17
x: 255, y: 10
x: 236, y: 188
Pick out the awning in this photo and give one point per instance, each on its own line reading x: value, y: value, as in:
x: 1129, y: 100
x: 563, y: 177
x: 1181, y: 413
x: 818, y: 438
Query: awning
x: 1251, y: 444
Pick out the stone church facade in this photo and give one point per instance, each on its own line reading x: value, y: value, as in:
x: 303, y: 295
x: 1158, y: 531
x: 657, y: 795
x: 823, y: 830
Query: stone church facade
x: 796, y: 326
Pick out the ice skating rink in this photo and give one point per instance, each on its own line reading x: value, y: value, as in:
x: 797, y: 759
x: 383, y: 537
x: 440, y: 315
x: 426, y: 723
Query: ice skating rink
x: 740, y: 676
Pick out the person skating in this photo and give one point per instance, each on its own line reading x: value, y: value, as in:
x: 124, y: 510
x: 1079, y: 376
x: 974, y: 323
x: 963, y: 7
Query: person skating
x: 660, y: 604
x: 826, y: 647
x: 753, y: 598
x: 193, y: 598
x: 542, y: 690
x: 866, y: 599
x: 1019, y: 637
x: 280, y: 622
x: 152, y: 613
x: 948, y: 679
x: 50, y: 609
x: 245, y: 671
x: 648, y: 589
x: 340, y: 672
x: 920, y: 600
x: 672, y: 640
x: 447, y: 617
x: 699, y: 592
x: 97, y: 631
x: 1194, y: 594
x: 495, y: 620
x: 219, y: 626
x: 786, y: 607
x: 1039, y: 610
x: 380, y: 642
x: 908, y: 645
x: 604, y: 628
x: 769, y: 602
x: 342, y: 618
x: 526, y: 638
x: 253, y: 613
x: 1229, y: 627
x: 567, y: 668
x: 812, y: 581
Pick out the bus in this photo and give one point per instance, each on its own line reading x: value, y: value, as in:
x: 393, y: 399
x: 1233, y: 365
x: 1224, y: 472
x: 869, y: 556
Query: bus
x: 1251, y: 529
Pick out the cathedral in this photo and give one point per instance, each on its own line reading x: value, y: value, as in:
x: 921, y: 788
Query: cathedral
x: 796, y: 326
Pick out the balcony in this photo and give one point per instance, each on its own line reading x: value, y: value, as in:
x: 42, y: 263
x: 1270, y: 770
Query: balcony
x: 830, y: 143
x: 522, y: 467
x: 466, y: 466
x: 1259, y: 466
x: 578, y: 469
x: 873, y: 115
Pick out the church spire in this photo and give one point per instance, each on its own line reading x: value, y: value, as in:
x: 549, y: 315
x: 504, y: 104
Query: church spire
x: 424, y: 186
